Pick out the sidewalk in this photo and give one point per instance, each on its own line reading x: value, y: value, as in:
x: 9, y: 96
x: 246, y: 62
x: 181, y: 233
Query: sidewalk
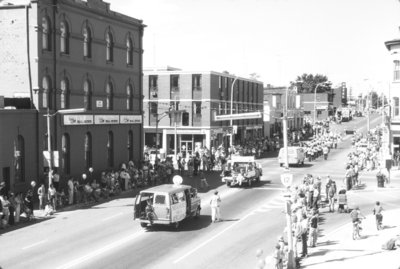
x: 337, y: 249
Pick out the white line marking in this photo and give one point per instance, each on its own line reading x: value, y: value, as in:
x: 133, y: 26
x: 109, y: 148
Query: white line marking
x: 212, y: 238
x: 100, y: 251
x: 111, y: 217
x: 38, y: 243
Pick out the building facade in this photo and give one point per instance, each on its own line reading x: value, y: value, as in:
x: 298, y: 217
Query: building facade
x: 275, y: 100
x: 180, y: 107
x: 394, y: 49
x: 317, y: 106
x: 70, y: 54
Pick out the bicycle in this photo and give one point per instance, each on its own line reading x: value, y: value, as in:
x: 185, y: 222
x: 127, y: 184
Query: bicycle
x: 356, y: 230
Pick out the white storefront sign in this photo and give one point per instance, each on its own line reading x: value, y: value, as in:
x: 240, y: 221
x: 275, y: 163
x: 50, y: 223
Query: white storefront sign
x: 106, y: 119
x: 78, y: 119
x: 130, y: 119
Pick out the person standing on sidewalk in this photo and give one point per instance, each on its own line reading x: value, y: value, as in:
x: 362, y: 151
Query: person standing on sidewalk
x: 303, y: 226
x: 313, y: 234
x: 70, y: 191
x: 215, y: 207
x: 42, y: 196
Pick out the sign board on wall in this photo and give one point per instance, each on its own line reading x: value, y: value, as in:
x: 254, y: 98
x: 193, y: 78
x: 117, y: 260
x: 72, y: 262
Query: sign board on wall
x: 99, y: 103
x: 78, y: 119
x: 106, y: 119
x: 130, y: 119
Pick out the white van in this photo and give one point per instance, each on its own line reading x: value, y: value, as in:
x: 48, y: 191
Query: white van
x: 296, y: 155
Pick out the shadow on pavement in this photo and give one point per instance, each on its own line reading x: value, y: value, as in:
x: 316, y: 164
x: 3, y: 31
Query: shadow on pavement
x: 190, y: 224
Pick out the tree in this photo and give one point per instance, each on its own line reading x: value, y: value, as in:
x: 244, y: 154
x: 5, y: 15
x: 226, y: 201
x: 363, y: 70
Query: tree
x: 307, y: 83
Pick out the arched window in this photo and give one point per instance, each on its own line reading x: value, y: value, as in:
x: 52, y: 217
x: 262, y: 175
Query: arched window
x: 19, y: 161
x: 87, y: 42
x: 129, y: 97
x: 129, y: 51
x: 64, y: 97
x: 65, y: 158
x: 130, y: 145
x: 64, y: 37
x: 87, y: 95
x: 46, y: 34
x: 110, y: 149
x: 88, y: 150
x: 109, y: 92
x: 109, y: 47
x: 46, y: 92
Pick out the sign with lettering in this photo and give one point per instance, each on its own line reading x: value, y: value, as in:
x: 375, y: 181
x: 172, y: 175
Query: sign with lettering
x: 78, y: 119
x: 287, y: 179
x: 130, y: 119
x: 106, y: 119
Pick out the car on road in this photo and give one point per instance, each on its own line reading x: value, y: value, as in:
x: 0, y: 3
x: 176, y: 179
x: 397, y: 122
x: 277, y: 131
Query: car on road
x: 169, y: 204
x: 246, y: 165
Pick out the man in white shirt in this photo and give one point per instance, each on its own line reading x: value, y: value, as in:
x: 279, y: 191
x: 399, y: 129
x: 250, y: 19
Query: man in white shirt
x: 215, y: 207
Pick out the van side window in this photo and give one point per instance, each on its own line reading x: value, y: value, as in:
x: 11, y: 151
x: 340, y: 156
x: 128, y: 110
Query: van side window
x: 160, y: 200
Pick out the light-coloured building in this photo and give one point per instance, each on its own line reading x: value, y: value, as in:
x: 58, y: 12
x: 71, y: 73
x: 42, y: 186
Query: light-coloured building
x: 70, y: 54
x: 394, y: 49
x: 199, y: 96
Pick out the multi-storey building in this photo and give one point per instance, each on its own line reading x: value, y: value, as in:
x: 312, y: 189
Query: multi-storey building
x: 199, y: 96
x: 63, y: 55
x: 275, y: 99
x: 317, y: 106
x: 394, y: 48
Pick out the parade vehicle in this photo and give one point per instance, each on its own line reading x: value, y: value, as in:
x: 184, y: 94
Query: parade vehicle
x: 250, y: 170
x: 296, y: 155
x: 166, y: 204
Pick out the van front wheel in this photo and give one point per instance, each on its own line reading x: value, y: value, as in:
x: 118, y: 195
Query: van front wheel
x: 143, y: 224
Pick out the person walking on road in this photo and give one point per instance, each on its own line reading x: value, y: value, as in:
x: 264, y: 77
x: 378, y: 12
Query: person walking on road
x: 378, y: 215
x: 215, y: 207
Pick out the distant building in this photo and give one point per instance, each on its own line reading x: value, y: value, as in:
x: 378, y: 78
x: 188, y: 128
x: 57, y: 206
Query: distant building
x: 317, y: 106
x: 275, y: 105
x: 199, y: 96
x: 75, y: 54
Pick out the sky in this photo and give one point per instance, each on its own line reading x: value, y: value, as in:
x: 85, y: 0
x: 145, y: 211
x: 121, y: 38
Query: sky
x: 277, y: 39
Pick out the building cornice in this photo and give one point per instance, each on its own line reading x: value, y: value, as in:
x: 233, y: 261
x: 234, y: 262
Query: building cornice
x: 391, y: 43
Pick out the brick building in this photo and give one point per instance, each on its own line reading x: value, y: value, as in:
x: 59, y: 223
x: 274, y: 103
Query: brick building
x: 62, y: 55
x: 199, y: 96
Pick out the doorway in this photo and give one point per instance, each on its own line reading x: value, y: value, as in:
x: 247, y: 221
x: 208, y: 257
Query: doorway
x: 186, y: 148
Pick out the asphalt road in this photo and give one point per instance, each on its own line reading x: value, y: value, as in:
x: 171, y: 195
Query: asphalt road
x: 105, y: 236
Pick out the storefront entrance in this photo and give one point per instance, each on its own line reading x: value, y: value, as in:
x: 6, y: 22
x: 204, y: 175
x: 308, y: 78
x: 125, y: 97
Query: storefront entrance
x: 186, y: 148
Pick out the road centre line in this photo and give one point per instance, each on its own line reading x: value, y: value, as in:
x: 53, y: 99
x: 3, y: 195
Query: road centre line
x: 100, y: 251
x: 111, y: 217
x: 212, y: 238
x: 33, y: 245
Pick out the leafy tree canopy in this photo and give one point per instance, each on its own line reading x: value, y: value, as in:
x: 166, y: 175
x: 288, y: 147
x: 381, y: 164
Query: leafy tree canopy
x: 307, y: 83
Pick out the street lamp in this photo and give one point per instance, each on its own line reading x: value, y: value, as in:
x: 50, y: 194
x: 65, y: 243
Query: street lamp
x: 233, y: 83
x: 157, y: 121
x: 48, y: 115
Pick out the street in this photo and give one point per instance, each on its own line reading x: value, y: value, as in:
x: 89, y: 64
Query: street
x: 105, y: 236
